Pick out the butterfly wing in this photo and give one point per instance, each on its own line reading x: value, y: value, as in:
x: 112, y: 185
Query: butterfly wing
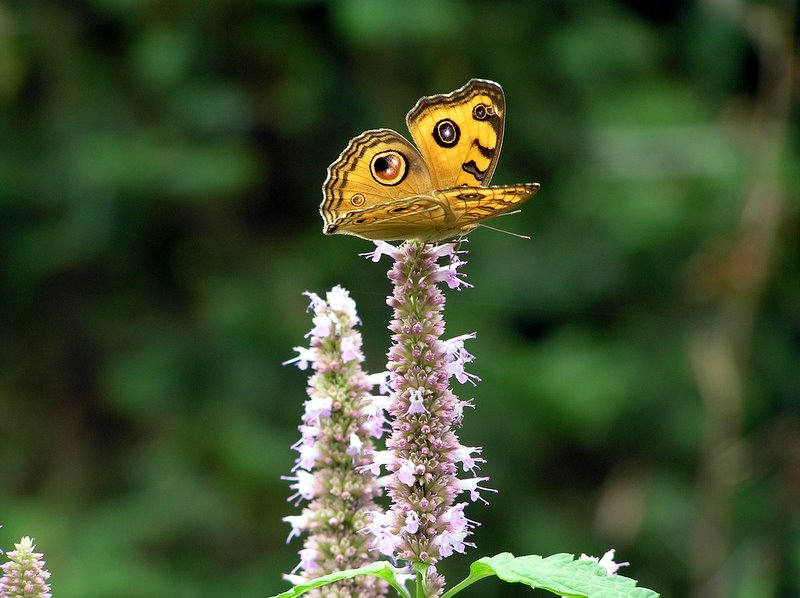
x: 376, y: 175
x: 441, y: 215
x: 469, y: 206
x: 418, y: 217
x: 460, y: 134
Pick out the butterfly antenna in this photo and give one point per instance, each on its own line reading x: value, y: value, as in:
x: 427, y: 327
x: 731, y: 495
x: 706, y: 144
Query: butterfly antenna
x: 507, y: 232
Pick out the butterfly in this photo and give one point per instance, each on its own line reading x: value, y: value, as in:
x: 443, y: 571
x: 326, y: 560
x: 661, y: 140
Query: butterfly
x: 383, y: 188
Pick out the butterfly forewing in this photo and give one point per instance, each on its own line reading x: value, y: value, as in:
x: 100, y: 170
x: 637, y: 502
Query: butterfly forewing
x: 460, y: 134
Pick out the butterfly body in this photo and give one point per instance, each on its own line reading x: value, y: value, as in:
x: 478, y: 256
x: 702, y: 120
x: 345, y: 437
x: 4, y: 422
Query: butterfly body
x: 382, y: 187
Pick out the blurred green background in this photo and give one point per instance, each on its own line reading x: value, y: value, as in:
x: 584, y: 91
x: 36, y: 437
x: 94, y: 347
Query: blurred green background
x: 160, y: 173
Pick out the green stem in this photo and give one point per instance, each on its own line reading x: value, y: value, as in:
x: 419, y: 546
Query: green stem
x: 421, y: 569
x: 463, y: 584
x: 420, y: 589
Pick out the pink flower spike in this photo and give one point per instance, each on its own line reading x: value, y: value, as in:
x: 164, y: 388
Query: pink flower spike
x: 451, y: 541
x: 308, y: 558
x: 456, y: 369
x: 454, y: 346
x: 381, y: 402
x: 305, y: 485
x: 454, y: 517
x: 424, y: 412
x: 334, y: 449
x: 375, y: 419
x: 308, y: 434
x: 384, y: 540
x: 458, y: 357
x: 24, y: 573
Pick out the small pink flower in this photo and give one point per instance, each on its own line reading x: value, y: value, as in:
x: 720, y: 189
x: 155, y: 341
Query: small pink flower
x: 381, y: 379
x: 450, y: 275
x: 340, y: 303
x: 308, y: 456
x: 606, y: 561
x: 452, y: 541
x: 416, y: 404
x: 412, y: 523
x: 381, y: 248
x: 384, y: 540
x: 298, y: 523
x: 308, y: 558
x: 458, y: 411
x: 304, y: 357
x: 471, y: 485
x: 406, y: 472
x: 356, y: 445
x: 463, y: 455
x: 323, y: 326
x: 305, y: 485
x: 317, y: 407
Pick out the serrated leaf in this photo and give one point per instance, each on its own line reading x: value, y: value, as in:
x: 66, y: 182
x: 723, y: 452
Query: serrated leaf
x: 380, y: 569
x: 559, y: 573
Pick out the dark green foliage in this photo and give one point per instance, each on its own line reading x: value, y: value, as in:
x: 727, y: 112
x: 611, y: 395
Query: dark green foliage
x: 160, y: 174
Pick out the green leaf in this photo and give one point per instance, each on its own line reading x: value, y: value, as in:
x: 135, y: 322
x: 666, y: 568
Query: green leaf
x: 559, y: 573
x: 380, y: 569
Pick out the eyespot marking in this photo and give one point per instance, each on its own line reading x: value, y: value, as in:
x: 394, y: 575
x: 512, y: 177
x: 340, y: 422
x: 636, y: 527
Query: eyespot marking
x: 389, y: 167
x: 358, y: 199
x: 482, y: 111
x: 446, y: 133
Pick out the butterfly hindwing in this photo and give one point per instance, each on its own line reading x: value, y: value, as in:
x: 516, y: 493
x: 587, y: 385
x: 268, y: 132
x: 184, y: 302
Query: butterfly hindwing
x: 446, y: 213
x: 377, y: 168
x: 418, y: 217
x: 469, y: 206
